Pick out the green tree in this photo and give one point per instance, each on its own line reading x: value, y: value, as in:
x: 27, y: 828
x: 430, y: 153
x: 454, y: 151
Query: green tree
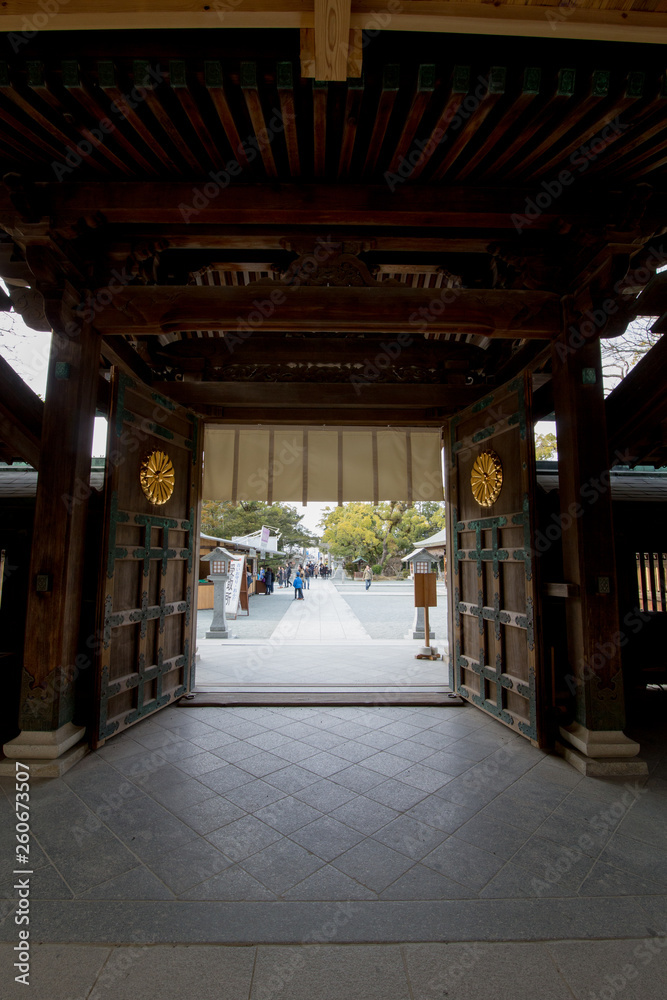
x: 376, y: 533
x: 355, y: 529
x: 225, y: 519
x: 545, y: 446
x: 418, y: 522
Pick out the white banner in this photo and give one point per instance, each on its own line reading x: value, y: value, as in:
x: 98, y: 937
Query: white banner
x: 233, y: 587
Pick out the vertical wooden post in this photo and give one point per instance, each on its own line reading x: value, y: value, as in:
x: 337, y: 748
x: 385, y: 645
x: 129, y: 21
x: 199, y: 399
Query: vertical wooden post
x: 57, y: 560
x: 594, y: 636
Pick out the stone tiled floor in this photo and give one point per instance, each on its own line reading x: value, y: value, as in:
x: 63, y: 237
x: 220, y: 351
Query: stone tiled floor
x: 314, y: 804
x: 594, y: 970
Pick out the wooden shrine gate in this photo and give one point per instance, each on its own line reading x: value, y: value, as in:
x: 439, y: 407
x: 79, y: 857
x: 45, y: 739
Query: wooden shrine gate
x: 494, y: 638
x: 147, y: 600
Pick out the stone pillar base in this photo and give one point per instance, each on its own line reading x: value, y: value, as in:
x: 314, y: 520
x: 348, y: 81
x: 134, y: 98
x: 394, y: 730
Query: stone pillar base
x: 599, y: 743
x: 601, y: 767
x: 222, y: 633
x: 600, y: 753
x: 49, y: 753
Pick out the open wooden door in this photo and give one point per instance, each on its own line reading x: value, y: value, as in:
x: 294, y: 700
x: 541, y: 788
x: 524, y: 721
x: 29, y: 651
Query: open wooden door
x: 147, y: 604
x: 494, y: 639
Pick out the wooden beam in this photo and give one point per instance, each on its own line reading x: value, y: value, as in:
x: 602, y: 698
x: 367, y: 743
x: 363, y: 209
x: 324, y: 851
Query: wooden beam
x: 391, y: 78
x: 285, y: 84
x: 274, y: 307
x: 314, y: 416
x: 353, y: 102
x: 291, y: 395
x: 21, y: 416
x: 332, y: 38
x: 427, y: 206
x: 242, y: 238
x: 210, y: 353
x: 440, y: 16
x: 118, y: 352
x: 250, y: 90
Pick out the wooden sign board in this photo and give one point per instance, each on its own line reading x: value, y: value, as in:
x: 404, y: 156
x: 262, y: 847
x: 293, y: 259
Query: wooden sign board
x: 425, y: 590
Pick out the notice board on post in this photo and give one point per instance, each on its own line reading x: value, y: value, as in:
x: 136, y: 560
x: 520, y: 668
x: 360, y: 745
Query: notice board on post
x: 425, y: 590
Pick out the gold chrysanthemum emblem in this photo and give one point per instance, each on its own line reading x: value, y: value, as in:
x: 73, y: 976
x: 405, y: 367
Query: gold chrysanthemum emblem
x: 486, y: 478
x: 157, y: 477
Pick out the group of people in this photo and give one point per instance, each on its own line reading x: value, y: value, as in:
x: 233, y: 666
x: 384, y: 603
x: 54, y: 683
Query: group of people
x: 267, y: 577
x: 299, y: 576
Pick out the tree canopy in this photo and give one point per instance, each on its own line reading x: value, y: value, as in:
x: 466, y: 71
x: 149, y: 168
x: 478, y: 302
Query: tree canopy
x: 376, y: 533
x: 225, y: 519
x: 546, y: 446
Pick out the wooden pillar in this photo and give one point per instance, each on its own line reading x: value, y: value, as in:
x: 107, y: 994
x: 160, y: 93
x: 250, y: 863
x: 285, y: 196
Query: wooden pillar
x: 594, y: 742
x: 57, y: 559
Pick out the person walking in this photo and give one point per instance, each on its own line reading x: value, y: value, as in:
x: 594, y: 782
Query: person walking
x: 268, y: 580
x: 298, y: 587
x: 368, y: 576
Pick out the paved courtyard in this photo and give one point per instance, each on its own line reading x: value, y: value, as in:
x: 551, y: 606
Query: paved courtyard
x: 386, y: 611
x: 338, y: 636
x: 339, y: 852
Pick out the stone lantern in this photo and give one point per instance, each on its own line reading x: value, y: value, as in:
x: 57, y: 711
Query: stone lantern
x: 219, y: 560
x: 421, y: 561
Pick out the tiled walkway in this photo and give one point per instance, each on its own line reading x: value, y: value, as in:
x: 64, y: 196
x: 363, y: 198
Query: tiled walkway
x: 298, y: 808
x: 321, y: 615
